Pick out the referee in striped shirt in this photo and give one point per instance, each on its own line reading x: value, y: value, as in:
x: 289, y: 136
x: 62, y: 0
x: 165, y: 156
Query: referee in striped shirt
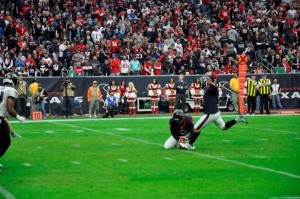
x: 251, y: 90
x: 264, y: 91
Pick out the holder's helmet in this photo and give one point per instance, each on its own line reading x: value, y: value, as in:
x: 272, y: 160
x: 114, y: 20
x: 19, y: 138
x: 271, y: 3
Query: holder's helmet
x: 178, y: 115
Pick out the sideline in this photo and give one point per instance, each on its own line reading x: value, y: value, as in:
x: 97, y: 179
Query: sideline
x: 150, y: 117
x: 188, y: 151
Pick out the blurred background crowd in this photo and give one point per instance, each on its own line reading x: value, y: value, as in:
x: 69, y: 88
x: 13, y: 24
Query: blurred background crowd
x: 155, y: 37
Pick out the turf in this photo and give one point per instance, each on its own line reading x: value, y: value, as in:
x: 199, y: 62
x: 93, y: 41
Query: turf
x: 124, y: 158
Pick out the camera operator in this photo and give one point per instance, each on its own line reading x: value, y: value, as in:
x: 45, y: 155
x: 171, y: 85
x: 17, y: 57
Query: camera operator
x: 40, y: 99
x: 111, y: 105
x: 67, y: 89
x: 22, y: 89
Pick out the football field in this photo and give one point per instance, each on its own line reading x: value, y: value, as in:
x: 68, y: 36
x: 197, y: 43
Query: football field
x: 123, y: 157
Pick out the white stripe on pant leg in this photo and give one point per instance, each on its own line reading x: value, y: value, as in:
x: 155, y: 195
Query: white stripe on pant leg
x: 219, y: 121
x: 202, y: 123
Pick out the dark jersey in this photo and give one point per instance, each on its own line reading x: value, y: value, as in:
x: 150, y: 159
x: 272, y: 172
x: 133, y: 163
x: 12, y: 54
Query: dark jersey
x: 183, y: 129
x: 210, y: 100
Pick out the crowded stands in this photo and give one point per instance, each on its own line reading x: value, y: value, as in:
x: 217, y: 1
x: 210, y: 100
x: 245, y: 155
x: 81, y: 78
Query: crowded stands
x: 155, y: 37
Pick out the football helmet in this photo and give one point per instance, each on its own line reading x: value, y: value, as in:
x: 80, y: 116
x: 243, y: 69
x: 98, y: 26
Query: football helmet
x: 178, y: 115
x: 10, y: 78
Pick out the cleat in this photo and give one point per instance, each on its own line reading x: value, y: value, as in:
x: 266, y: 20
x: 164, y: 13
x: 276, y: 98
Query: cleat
x: 190, y: 146
x: 240, y: 118
x: 90, y: 116
x: 95, y: 116
x: 186, y: 146
x: 15, y: 135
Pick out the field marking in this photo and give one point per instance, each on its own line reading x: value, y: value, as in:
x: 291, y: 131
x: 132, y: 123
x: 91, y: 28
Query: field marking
x: 77, y: 145
x: 191, y: 152
x: 273, y: 130
x: 260, y: 156
x: 261, y: 139
x: 114, y: 144
x: 123, y: 160
x: 27, y: 164
x: 225, y: 140
x: 286, y: 197
x: 6, y: 194
x: 121, y: 129
x: 167, y: 158
x: 75, y: 162
x: 50, y: 132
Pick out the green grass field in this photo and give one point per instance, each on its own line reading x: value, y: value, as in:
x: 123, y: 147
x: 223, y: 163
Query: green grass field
x: 124, y: 158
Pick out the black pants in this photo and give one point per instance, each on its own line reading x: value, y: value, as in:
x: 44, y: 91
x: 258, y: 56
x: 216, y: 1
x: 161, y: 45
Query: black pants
x: 123, y: 106
x: 68, y: 106
x: 251, y: 101
x: 21, y: 106
x: 111, y: 111
x: 180, y: 101
x: 4, y: 136
x: 264, y: 103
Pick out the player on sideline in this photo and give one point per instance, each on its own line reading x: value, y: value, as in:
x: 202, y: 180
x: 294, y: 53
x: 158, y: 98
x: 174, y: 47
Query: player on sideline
x: 8, y: 95
x: 181, y: 127
x: 211, y: 113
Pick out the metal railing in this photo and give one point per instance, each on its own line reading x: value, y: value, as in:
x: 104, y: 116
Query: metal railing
x: 263, y: 62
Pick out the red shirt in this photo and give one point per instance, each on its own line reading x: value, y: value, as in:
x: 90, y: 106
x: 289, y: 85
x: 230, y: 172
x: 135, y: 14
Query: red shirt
x: 286, y: 66
x: 224, y: 15
x: 21, y: 30
x: 28, y: 61
x: 22, y: 44
x: 81, y: 46
x: 78, y: 70
x: 115, y: 45
x: 157, y: 68
x: 228, y: 69
x: 115, y: 65
x: 147, y: 68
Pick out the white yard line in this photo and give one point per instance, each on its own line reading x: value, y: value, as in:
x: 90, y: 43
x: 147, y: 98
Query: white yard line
x: 123, y: 160
x: 191, y: 152
x: 6, y: 194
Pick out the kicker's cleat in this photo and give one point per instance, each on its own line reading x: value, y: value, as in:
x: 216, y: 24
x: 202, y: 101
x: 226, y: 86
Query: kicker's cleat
x: 240, y: 118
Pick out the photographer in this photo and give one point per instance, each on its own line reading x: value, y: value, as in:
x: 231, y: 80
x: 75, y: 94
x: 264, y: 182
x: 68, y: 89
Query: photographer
x: 40, y: 99
x: 67, y: 90
x: 22, y: 89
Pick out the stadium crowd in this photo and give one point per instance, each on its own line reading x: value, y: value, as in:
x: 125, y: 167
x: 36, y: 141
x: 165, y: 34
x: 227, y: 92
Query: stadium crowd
x: 155, y: 37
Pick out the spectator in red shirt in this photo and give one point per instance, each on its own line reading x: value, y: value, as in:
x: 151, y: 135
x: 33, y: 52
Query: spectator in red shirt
x: 157, y: 66
x: 224, y: 15
x: 147, y: 68
x: 78, y: 69
x: 115, y: 65
x: 285, y: 65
